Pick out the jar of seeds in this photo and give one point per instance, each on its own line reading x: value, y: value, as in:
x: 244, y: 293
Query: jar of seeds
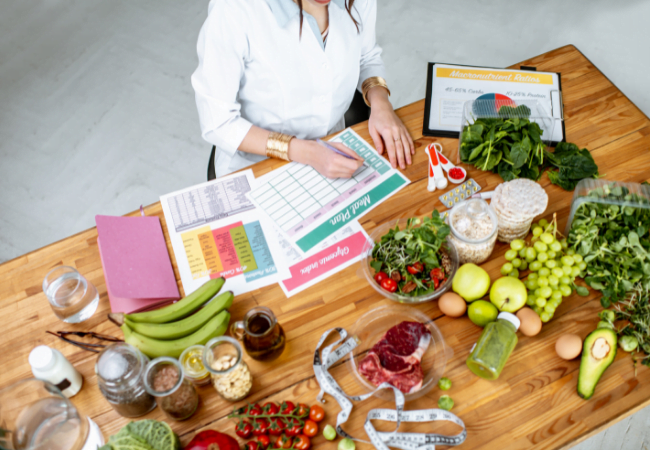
x: 474, y: 228
x: 231, y: 377
x: 120, y: 375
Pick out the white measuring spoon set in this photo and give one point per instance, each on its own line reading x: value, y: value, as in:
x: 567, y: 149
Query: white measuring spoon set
x: 438, y: 162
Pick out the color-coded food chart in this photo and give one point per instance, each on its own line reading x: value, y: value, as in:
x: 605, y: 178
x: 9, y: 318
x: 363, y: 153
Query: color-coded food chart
x: 209, y: 202
x: 300, y: 195
x: 228, y: 251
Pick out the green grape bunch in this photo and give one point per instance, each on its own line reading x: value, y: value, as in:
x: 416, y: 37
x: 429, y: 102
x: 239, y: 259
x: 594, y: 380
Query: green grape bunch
x: 553, y: 268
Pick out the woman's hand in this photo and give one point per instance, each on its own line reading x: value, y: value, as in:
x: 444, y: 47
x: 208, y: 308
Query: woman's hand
x: 324, y: 160
x: 387, y: 130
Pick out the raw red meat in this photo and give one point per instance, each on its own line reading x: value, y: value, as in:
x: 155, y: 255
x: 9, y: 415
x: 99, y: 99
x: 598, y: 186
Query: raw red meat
x: 396, y: 357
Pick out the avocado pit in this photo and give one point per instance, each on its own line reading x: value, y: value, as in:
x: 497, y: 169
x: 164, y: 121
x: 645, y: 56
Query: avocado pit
x: 600, y: 349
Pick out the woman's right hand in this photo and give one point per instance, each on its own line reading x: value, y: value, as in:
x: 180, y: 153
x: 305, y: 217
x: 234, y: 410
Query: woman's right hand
x: 324, y: 160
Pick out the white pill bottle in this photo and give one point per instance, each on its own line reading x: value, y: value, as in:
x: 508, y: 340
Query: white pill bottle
x: 49, y: 364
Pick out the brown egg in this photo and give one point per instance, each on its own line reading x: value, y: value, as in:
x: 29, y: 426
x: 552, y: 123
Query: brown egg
x: 452, y: 304
x: 531, y: 324
x: 568, y: 346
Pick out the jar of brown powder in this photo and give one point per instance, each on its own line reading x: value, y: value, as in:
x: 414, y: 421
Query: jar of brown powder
x: 174, y: 394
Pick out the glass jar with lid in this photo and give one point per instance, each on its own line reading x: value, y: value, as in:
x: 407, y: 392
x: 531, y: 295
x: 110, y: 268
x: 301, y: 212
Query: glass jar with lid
x: 231, y: 376
x: 120, y: 375
x: 474, y: 228
x: 192, y: 361
x: 176, y: 396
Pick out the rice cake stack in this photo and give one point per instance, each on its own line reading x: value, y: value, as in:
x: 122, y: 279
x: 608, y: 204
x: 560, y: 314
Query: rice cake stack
x: 516, y: 203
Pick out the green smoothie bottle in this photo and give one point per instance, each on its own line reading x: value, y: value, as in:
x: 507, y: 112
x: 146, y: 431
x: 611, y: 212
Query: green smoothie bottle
x: 490, y: 353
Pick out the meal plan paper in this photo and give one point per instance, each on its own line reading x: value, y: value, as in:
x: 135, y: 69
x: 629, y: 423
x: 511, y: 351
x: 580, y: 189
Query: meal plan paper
x: 452, y: 86
x: 308, y: 207
x: 216, y: 231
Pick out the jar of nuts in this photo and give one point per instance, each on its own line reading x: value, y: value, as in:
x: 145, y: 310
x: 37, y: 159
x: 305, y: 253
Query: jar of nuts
x: 231, y: 377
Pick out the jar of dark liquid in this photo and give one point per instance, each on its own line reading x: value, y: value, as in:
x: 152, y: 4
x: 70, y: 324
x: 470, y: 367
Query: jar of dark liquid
x: 262, y: 335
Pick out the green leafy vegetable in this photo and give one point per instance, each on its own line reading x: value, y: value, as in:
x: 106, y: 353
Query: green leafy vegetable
x: 635, y: 333
x: 144, y: 435
x: 613, y: 241
x: 511, y: 146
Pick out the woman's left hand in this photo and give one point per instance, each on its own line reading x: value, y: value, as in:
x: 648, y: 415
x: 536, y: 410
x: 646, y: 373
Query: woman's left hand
x: 387, y: 130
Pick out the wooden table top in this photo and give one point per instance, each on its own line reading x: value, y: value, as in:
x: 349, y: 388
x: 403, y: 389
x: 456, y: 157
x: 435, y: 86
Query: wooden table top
x: 534, y: 402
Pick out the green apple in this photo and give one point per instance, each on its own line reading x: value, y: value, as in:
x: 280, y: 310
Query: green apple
x: 471, y: 282
x: 481, y: 312
x: 508, y: 294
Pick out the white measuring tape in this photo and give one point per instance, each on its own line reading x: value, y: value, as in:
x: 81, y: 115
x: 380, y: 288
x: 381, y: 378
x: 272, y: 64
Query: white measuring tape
x: 381, y: 440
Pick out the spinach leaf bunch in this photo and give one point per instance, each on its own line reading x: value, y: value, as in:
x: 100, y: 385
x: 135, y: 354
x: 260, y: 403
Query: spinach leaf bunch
x: 613, y: 241
x: 511, y: 145
x: 420, y: 241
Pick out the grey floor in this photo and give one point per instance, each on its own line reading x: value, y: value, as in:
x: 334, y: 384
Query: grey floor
x: 97, y: 114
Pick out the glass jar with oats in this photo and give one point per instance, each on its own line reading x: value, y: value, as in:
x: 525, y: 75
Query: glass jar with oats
x: 474, y: 228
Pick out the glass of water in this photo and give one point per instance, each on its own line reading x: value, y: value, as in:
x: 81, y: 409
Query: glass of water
x: 34, y: 415
x: 72, y: 297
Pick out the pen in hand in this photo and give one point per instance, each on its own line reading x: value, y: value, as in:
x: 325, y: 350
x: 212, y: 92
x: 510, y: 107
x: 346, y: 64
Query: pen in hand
x: 337, y: 151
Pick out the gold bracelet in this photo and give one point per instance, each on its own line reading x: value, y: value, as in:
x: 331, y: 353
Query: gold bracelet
x: 277, y: 145
x: 371, y: 83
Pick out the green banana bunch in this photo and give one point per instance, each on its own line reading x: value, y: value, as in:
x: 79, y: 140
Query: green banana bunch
x: 154, y: 348
x: 181, y: 308
x: 183, y: 327
x: 170, y: 330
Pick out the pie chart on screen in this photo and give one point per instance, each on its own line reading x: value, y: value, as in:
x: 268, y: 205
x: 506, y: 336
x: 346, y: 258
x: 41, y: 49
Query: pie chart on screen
x: 489, y: 104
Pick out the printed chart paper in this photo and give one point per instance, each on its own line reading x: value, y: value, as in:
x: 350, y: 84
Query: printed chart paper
x: 309, y: 207
x: 332, y: 255
x: 452, y: 86
x: 216, y: 231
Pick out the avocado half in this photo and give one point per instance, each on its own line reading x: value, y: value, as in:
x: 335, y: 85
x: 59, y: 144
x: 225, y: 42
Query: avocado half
x: 598, y: 353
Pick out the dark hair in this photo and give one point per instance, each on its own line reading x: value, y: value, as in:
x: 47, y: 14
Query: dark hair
x: 348, y: 8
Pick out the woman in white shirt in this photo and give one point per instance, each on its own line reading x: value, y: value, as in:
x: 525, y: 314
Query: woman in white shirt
x: 275, y: 74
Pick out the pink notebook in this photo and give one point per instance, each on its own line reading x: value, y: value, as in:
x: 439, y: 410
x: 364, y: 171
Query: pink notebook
x: 137, y: 268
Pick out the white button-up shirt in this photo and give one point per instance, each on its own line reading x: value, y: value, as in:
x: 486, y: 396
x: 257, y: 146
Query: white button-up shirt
x: 255, y: 69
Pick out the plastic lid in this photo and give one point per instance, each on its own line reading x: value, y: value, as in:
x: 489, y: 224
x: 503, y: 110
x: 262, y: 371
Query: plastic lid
x: 41, y: 357
x: 510, y: 318
x: 473, y: 221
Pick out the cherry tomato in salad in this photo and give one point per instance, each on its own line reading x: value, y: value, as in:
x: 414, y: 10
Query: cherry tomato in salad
x: 437, y: 274
x: 316, y: 413
x: 303, y: 410
x: 436, y: 283
x: 282, y: 442
x: 270, y: 408
x: 380, y: 276
x: 253, y: 445
x: 415, y: 268
x: 276, y: 426
x: 260, y: 427
x: 287, y: 408
x: 389, y: 284
x: 311, y: 428
x: 302, y: 442
x: 264, y: 441
x: 244, y: 429
x: 294, y: 427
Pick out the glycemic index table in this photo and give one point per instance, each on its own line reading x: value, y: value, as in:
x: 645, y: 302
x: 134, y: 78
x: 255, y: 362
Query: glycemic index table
x: 210, y: 202
x: 300, y: 195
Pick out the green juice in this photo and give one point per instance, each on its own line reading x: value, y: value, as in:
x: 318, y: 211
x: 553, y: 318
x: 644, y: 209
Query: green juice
x: 498, y: 340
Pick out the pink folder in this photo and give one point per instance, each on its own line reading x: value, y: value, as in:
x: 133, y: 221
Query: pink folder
x: 137, y: 268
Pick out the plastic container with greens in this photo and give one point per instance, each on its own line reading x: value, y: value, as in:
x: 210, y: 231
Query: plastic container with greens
x: 608, y: 227
x: 505, y: 137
